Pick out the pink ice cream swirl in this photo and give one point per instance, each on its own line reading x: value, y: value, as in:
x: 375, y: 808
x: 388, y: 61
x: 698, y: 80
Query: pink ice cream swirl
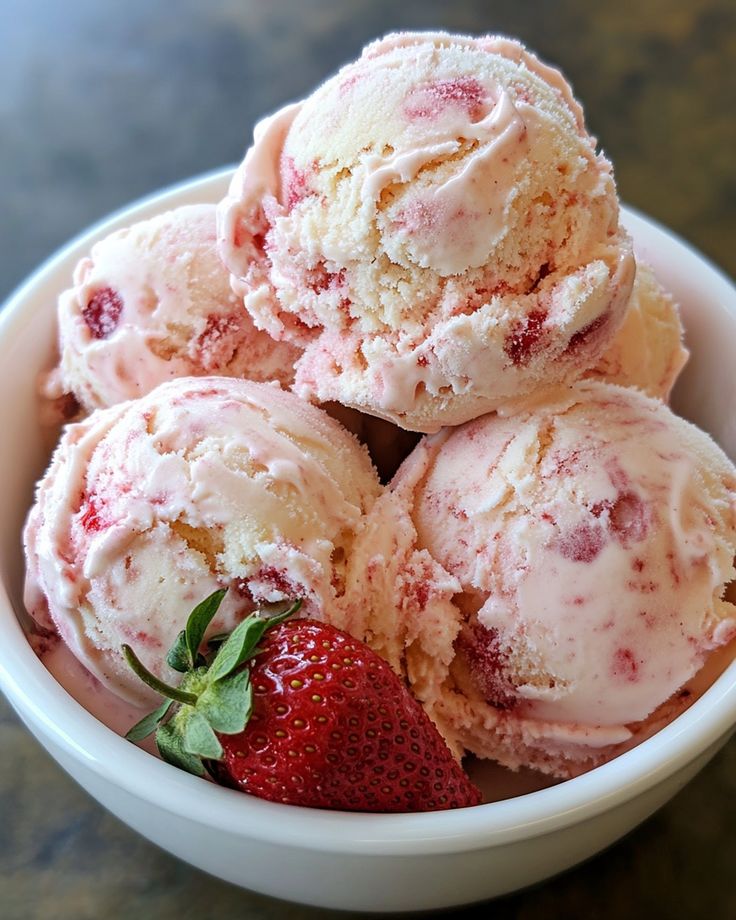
x: 208, y: 482
x: 560, y: 575
x: 150, y: 303
x: 434, y: 228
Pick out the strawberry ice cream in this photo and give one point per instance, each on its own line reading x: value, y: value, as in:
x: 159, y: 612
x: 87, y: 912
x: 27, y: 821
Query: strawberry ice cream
x: 150, y: 303
x: 207, y: 482
x: 559, y: 575
x: 648, y: 350
x: 434, y: 228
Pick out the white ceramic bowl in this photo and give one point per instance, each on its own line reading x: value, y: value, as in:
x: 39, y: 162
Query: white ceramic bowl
x: 338, y: 860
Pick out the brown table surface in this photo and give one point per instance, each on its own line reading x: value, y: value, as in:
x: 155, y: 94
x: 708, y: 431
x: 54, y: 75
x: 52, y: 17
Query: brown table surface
x: 104, y: 102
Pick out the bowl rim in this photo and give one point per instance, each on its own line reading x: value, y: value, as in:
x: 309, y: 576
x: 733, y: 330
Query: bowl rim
x: 54, y: 716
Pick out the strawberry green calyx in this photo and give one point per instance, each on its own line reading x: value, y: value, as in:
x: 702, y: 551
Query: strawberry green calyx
x: 215, y: 694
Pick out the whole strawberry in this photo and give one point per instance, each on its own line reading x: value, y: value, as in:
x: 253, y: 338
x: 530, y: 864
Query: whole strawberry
x: 300, y: 712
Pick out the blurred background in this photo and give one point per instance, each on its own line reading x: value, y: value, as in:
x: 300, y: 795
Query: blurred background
x: 103, y: 102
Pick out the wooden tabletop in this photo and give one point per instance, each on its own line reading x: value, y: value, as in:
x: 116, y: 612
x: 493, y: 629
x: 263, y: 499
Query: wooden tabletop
x: 104, y: 102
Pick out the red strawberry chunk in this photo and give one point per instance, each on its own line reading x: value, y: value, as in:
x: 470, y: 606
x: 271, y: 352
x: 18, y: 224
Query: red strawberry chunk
x: 526, y: 338
x: 102, y: 312
x: 488, y: 664
x: 429, y: 100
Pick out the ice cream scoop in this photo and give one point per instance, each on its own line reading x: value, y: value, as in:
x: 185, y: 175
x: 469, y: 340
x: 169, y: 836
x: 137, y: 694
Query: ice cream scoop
x: 434, y: 227
x: 207, y: 482
x: 559, y: 575
x: 647, y: 351
x: 150, y: 303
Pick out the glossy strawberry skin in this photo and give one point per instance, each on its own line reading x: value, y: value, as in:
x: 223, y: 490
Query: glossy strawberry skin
x: 333, y: 727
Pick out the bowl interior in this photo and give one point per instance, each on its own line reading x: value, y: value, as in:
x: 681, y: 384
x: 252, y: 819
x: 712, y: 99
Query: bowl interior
x: 705, y: 394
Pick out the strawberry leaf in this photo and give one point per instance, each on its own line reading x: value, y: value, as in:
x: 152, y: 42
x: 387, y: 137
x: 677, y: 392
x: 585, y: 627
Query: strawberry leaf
x: 227, y: 704
x: 275, y: 618
x: 178, y: 657
x: 148, y: 723
x: 218, y: 699
x: 242, y: 642
x: 171, y: 748
x: 199, y: 739
x: 173, y: 693
x: 238, y: 647
x: 199, y: 619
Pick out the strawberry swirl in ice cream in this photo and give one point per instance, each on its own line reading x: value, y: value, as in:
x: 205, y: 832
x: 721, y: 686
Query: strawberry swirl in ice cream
x: 558, y: 575
x: 204, y: 483
x: 434, y: 228
x: 150, y: 303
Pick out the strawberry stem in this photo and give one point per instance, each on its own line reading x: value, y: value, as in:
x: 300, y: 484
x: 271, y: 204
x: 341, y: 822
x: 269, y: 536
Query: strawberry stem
x: 149, y: 723
x: 187, y: 736
x: 173, y: 693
